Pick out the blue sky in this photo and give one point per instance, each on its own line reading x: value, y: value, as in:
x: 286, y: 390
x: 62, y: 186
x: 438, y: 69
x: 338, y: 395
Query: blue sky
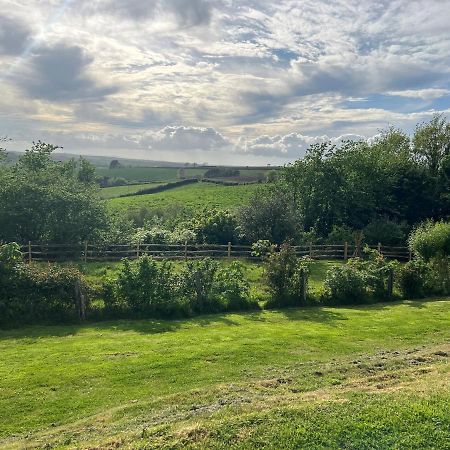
x: 232, y: 81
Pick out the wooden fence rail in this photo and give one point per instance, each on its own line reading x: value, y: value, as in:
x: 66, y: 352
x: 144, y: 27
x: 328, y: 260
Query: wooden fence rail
x: 94, y: 252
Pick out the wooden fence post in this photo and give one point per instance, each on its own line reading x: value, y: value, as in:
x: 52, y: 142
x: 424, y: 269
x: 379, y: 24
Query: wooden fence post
x: 138, y: 250
x: 29, y: 252
x: 345, y: 251
x: 85, y: 251
x: 304, y: 285
x: 390, y: 283
x: 185, y: 251
x: 379, y: 247
x: 310, y: 250
x: 229, y: 250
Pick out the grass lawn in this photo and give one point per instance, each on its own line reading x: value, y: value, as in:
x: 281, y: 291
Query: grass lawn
x: 193, y: 196
x: 364, y: 377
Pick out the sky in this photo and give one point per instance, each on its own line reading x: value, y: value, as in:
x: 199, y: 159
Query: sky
x: 222, y: 82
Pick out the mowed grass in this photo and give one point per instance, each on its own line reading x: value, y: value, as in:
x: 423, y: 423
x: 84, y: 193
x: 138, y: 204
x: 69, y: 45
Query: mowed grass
x: 364, y: 377
x: 194, y: 196
x: 117, y: 191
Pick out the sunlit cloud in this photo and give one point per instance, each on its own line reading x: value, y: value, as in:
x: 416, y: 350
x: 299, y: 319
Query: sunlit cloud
x: 241, y: 80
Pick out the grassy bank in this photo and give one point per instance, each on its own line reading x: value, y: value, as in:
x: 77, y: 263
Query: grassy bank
x: 363, y: 377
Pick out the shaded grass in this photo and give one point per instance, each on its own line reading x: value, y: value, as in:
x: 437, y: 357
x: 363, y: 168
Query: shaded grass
x: 88, y: 383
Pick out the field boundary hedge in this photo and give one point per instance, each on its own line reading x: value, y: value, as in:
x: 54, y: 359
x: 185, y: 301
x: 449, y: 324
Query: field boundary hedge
x: 229, y: 183
x: 161, y: 188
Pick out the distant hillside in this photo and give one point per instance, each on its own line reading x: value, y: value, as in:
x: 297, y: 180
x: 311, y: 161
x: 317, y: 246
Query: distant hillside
x: 103, y: 161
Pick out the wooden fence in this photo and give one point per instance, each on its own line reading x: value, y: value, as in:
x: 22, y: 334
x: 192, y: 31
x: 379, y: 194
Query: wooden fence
x: 95, y: 252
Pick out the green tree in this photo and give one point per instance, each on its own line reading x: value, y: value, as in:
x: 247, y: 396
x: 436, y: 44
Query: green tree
x: 431, y: 142
x: 47, y: 201
x: 269, y: 215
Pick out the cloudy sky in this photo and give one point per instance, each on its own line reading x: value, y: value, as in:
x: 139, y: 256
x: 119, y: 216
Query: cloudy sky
x: 233, y: 81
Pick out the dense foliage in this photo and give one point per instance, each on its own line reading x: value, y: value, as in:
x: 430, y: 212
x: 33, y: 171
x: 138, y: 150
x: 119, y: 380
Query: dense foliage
x: 46, y: 201
x: 380, y: 188
x: 30, y: 293
x: 286, y: 277
x: 361, y: 280
x: 146, y: 288
x: 431, y: 242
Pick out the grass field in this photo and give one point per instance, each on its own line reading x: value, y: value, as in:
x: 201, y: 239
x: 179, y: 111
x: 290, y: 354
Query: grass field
x: 363, y: 377
x: 193, y: 196
x: 148, y: 174
x: 117, y: 191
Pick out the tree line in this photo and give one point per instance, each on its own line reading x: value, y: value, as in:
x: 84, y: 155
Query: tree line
x: 375, y: 190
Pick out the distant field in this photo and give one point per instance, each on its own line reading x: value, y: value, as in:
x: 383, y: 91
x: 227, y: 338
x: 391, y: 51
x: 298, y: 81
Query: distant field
x: 117, y: 191
x: 366, y: 377
x: 151, y: 174
x: 141, y: 173
x: 148, y: 173
x: 194, y: 196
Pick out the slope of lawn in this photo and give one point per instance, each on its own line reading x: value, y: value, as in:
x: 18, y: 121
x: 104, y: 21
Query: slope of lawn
x: 117, y: 191
x: 363, y: 377
x: 194, y: 196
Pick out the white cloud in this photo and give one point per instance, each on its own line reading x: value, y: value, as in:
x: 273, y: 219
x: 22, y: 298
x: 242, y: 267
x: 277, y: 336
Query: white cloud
x: 174, y: 72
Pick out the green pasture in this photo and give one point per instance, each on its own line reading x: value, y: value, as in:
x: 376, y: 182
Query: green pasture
x: 194, y: 196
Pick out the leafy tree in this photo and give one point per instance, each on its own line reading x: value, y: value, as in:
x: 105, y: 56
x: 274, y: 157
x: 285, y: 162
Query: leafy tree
x: 214, y: 226
x: 115, y: 164
x: 431, y: 142
x: 269, y: 215
x: 46, y: 201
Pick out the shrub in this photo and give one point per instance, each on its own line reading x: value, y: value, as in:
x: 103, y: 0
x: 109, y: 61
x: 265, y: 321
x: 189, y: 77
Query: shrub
x: 214, y: 226
x: 345, y: 285
x: 431, y: 241
x: 145, y: 288
x: 233, y: 289
x: 31, y: 293
x: 263, y: 248
x: 388, y: 232
x: 360, y: 280
x: 340, y: 234
x: 286, y: 277
x: 198, y: 286
x: 412, y: 278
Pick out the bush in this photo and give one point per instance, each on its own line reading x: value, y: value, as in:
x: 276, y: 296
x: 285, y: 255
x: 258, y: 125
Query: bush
x: 431, y: 241
x: 360, y: 280
x: 345, y: 285
x: 233, y: 289
x: 287, y: 277
x: 263, y: 248
x: 388, y: 232
x: 31, y: 293
x: 145, y: 288
x: 412, y: 278
x: 214, y: 226
x: 340, y: 234
x: 269, y: 215
x: 198, y: 286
